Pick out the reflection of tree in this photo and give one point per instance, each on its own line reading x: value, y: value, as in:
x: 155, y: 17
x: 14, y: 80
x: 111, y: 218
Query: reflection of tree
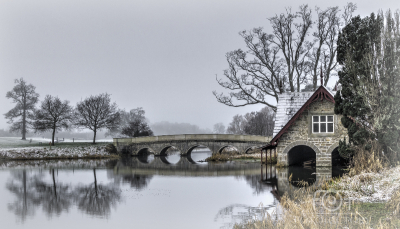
x: 54, y: 197
x: 255, y: 183
x: 21, y: 186
x: 97, y: 199
x: 139, y: 182
x: 240, y: 213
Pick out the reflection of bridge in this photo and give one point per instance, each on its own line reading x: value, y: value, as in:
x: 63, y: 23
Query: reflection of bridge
x: 185, y: 143
x: 184, y: 167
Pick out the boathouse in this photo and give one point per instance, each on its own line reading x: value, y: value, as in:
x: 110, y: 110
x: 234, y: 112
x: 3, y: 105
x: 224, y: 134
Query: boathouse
x: 307, y: 129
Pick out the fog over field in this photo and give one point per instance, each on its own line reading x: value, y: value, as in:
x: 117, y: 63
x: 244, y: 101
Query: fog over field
x: 163, y: 56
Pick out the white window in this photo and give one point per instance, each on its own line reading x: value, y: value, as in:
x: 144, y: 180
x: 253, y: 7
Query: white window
x: 322, y: 123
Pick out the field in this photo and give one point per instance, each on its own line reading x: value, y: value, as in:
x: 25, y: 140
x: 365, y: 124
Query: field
x: 16, y: 142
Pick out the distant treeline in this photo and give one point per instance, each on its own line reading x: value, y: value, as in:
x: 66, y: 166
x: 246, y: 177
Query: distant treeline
x: 62, y: 134
x: 168, y: 128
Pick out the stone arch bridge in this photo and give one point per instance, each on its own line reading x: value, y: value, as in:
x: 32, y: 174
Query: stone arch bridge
x: 185, y: 143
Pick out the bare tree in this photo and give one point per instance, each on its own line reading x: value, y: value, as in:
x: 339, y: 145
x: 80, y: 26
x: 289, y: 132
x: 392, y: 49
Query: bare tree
x: 236, y: 126
x: 133, y: 124
x: 253, y: 123
x: 284, y: 60
x: 219, y: 128
x: 260, y: 123
x: 25, y: 97
x: 53, y: 115
x: 328, y: 24
x: 137, y: 128
x: 96, y: 113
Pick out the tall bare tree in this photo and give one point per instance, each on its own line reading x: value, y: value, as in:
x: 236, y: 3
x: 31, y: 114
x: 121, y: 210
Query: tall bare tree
x: 284, y: 60
x: 236, y: 126
x: 25, y: 97
x: 219, y: 128
x: 96, y: 113
x: 328, y: 24
x: 260, y: 122
x: 53, y: 115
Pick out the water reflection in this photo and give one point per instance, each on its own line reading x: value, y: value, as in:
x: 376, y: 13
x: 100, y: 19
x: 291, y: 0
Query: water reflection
x: 33, y: 191
x: 95, y: 188
x: 302, y: 175
x: 241, y: 213
x: 23, y: 187
x: 97, y: 199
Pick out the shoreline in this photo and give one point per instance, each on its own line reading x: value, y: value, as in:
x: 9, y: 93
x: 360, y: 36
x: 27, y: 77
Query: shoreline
x: 42, y: 153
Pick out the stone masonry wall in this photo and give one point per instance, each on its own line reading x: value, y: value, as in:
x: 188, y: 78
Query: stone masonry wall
x: 300, y: 133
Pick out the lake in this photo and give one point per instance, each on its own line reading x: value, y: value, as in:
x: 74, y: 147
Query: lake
x: 140, y: 192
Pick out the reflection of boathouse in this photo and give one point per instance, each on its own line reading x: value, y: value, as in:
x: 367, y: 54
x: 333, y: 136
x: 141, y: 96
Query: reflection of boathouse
x: 306, y: 128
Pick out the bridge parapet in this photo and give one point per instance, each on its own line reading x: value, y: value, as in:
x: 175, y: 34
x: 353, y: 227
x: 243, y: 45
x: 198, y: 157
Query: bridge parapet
x: 195, y: 137
x: 186, y: 142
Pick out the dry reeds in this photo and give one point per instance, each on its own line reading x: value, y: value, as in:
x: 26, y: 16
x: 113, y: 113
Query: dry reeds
x: 365, y: 161
x: 219, y: 157
x: 303, y: 209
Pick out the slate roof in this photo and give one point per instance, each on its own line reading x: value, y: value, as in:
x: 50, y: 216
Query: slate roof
x: 289, y: 104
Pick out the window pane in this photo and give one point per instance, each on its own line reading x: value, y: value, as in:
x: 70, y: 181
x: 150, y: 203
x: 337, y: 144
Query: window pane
x: 330, y: 118
x: 330, y: 127
x: 315, y: 118
x: 323, y: 127
x: 316, y: 129
x: 323, y: 118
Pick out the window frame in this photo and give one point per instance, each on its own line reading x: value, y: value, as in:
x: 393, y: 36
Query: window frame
x: 319, y: 122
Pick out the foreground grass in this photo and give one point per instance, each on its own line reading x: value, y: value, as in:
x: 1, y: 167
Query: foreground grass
x: 324, y: 207
x: 301, y: 211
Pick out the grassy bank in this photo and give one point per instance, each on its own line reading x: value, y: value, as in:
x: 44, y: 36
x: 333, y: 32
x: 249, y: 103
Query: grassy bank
x: 241, y: 157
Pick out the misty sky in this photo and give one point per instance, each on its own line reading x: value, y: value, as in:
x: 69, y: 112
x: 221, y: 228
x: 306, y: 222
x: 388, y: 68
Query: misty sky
x: 157, y: 54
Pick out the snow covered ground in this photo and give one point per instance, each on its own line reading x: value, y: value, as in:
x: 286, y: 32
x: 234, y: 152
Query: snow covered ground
x: 370, y: 187
x: 16, y: 142
x: 59, y: 153
x: 15, y: 148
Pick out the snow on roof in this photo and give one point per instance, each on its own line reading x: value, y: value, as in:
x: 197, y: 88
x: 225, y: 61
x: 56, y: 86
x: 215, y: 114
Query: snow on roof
x: 288, y: 105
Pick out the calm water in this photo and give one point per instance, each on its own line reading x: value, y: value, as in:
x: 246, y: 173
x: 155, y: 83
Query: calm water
x: 138, y: 192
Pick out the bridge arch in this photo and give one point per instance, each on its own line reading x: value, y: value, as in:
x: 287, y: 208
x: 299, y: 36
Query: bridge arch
x: 246, y: 151
x: 165, y: 148
x: 168, y: 158
x: 145, y: 149
x: 308, y: 151
x: 194, y: 157
x: 225, y: 146
x: 145, y: 155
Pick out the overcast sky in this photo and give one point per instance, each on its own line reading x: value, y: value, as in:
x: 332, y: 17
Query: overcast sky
x: 157, y: 54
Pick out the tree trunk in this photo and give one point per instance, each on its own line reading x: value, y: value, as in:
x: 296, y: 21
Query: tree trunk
x: 94, y: 136
x: 24, y: 183
x: 52, y: 136
x: 95, y: 181
x: 54, y: 184
x: 24, y: 124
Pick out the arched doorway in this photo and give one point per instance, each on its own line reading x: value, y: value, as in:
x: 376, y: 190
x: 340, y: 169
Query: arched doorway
x: 339, y: 164
x: 302, y: 155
